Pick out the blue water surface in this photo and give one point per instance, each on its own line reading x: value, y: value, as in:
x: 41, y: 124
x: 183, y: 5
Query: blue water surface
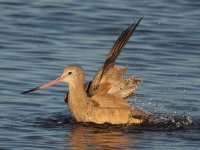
x: 38, y: 38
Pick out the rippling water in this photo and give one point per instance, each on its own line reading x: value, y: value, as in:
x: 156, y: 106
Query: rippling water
x: 38, y: 38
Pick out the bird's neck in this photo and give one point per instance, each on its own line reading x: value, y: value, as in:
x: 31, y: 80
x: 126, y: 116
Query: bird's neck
x: 77, y: 94
x: 77, y: 100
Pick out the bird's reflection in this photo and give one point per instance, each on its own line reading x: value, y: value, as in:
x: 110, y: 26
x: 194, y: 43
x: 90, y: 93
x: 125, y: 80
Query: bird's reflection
x: 88, y: 137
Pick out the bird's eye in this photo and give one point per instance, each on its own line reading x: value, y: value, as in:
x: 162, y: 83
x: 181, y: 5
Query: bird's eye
x: 69, y: 73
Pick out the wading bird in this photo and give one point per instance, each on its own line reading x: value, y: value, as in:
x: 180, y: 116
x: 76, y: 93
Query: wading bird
x: 104, y: 99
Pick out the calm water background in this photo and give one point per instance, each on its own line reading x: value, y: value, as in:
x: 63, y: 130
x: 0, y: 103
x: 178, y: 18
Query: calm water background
x: 38, y: 38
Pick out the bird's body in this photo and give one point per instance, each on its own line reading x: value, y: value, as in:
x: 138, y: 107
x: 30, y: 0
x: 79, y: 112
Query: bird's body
x: 104, y: 99
x: 103, y: 106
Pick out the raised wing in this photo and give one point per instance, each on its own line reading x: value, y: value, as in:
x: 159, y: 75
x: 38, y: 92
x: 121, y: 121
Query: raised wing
x: 111, y: 58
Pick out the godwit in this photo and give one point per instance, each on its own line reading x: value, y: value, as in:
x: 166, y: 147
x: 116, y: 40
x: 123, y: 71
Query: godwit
x: 104, y: 99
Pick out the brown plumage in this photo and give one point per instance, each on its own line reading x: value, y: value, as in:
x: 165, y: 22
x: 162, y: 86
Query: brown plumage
x: 104, y: 98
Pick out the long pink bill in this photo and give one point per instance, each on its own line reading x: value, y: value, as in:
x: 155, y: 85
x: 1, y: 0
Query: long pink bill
x: 56, y: 81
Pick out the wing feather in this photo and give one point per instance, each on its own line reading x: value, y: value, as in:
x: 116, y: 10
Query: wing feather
x: 112, y: 56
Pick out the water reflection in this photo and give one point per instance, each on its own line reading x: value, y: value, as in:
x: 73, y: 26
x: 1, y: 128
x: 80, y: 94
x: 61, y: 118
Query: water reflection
x: 84, y: 137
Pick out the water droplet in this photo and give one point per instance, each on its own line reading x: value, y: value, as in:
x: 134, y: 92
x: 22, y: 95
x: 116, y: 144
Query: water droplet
x: 60, y: 122
x: 178, y: 124
x: 186, y: 119
x: 173, y: 120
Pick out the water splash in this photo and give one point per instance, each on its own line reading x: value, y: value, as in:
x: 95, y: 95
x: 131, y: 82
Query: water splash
x: 171, y: 122
x: 163, y: 122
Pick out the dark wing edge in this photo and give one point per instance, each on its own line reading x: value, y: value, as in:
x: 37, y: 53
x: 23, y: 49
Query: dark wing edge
x: 118, y: 46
